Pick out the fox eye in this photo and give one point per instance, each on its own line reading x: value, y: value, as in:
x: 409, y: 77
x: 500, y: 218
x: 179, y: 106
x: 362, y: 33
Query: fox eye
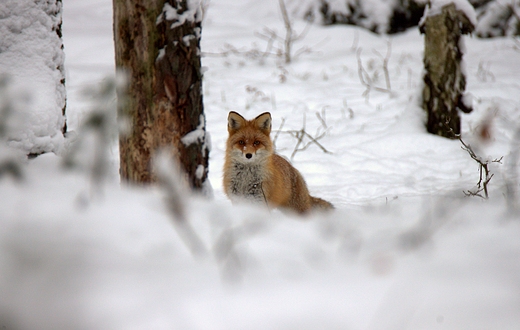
x: 241, y: 142
x: 256, y: 143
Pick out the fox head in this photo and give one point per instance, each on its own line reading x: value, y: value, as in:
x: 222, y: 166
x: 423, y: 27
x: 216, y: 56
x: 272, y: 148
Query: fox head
x: 249, y: 140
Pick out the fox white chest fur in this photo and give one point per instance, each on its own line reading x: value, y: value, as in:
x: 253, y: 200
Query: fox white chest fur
x: 245, y: 182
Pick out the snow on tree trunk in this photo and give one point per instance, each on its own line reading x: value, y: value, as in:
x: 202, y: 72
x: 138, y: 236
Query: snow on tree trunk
x: 157, y: 43
x: 32, y: 59
x: 444, y: 80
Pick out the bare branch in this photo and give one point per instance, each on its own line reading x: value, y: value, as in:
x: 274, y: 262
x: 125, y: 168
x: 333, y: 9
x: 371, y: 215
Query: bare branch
x: 283, y: 48
x: 288, y: 32
x: 365, y: 79
x: 484, y: 173
x: 302, y: 135
x: 315, y: 141
x: 172, y: 180
x: 355, y: 42
x: 278, y: 132
x: 385, y: 63
x: 321, y: 118
x: 304, y: 32
x: 299, y: 136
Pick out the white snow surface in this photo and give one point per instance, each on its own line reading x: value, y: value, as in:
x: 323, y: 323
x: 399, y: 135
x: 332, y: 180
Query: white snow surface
x: 30, y: 56
x: 404, y: 248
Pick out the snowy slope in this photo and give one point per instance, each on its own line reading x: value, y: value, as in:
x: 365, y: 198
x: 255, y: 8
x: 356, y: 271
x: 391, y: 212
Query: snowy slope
x: 404, y: 249
x: 378, y: 142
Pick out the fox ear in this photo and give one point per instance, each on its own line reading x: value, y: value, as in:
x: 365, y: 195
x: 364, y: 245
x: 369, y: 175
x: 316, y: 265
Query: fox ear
x: 235, y: 121
x: 263, y: 122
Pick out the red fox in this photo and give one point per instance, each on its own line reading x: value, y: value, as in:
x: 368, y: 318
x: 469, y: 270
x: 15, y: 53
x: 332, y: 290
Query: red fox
x: 254, y: 172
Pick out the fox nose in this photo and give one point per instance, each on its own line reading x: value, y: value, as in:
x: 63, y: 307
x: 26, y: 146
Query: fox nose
x: 248, y: 156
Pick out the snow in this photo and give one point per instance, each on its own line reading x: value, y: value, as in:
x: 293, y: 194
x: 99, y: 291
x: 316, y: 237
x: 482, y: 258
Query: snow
x: 161, y: 54
x: 187, y: 39
x: 30, y: 56
x: 434, y: 8
x: 197, y: 135
x: 403, y: 250
x: 171, y: 14
x: 199, y: 173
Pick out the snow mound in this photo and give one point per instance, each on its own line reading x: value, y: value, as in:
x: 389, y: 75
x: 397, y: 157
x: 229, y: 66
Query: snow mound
x: 31, y: 56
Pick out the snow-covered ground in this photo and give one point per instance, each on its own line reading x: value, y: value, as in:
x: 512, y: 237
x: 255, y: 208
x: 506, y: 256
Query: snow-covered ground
x: 404, y: 249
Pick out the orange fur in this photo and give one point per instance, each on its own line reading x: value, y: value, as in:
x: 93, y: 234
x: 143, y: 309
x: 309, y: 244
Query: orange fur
x: 254, y: 172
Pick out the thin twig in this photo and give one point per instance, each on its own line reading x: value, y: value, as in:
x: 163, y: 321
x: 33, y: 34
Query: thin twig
x: 301, y: 134
x: 315, y: 141
x: 485, y: 175
x: 365, y: 79
x: 355, y: 42
x: 288, y: 32
x: 321, y: 118
x: 385, y: 63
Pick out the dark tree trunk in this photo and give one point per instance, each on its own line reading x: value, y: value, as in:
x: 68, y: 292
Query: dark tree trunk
x: 157, y: 44
x: 444, y: 81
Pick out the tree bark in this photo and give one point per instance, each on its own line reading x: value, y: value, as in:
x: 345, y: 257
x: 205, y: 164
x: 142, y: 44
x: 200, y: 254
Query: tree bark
x: 157, y: 44
x: 444, y: 80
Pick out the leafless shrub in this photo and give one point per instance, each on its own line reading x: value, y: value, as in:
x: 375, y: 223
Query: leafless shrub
x: 229, y: 249
x: 276, y: 46
x: 287, y: 42
x: 304, y: 139
x: 485, y: 174
x: 436, y: 216
x: 173, y: 183
x: 512, y: 181
x: 511, y: 175
x: 253, y: 53
x: 345, y: 109
x: 255, y: 95
x: 355, y: 42
x: 89, y: 150
x: 385, y: 60
x: 369, y: 81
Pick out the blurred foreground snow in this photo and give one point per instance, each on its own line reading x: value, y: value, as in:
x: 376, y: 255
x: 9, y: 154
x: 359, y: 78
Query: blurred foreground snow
x: 117, y: 262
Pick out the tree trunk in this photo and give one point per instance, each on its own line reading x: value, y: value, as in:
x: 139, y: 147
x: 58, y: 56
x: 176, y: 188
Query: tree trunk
x: 157, y: 44
x: 444, y: 80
